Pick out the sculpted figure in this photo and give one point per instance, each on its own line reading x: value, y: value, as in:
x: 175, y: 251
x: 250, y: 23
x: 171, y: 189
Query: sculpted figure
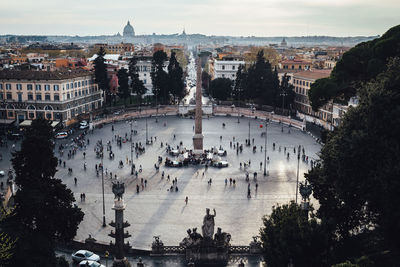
x: 208, y: 224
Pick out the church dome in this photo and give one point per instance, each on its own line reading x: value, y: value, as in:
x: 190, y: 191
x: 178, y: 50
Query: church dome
x: 128, y: 30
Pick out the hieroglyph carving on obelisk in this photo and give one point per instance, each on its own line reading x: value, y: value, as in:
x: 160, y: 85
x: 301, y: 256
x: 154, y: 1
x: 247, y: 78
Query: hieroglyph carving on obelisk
x: 198, y: 134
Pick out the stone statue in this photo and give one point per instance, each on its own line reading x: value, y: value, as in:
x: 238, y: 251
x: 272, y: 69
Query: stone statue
x: 118, y: 189
x: 208, y: 224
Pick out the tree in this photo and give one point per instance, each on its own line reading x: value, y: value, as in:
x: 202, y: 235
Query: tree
x: 270, y: 54
x: 159, y: 77
x: 205, y: 81
x: 44, y: 210
x: 175, y: 78
x: 240, y: 83
x: 7, y: 243
x: 356, y: 181
x: 287, y: 94
x: 221, y: 88
x: 100, y: 74
x: 137, y: 85
x: 357, y: 66
x: 288, y: 235
x: 123, y: 84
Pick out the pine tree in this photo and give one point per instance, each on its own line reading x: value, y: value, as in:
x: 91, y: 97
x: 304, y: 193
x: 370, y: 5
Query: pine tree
x: 137, y: 85
x: 123, y: 84
x: 44, y: 210
x: 175, y: 78
x: 159, y: 77
x: 100, y: 73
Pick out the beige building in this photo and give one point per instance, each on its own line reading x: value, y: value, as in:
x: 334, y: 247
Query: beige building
x: 120, y: 49
x: 53, y: 95
x: 302, y: 82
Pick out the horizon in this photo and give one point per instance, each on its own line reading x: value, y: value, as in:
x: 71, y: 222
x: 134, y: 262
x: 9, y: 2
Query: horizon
x: 257, y: 18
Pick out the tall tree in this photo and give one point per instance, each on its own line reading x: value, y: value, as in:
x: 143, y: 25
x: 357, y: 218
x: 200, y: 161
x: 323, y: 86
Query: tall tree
x: 159, y: 77
x: 221, y: 88
x: 205, y: 81
x: 44, y: 210
x: 100, y: 74
x: 240, y: 83
x: 287, y: 94
x: 7, y: 243
x: 123, y: 84
x: 137, y: 85
x: 288, y: 236
x: 357, y: 180
x: 175, y: 78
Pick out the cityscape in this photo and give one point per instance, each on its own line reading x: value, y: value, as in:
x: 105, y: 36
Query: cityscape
x: 166, y: 138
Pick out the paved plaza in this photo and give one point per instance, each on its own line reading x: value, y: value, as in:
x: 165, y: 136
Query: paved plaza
x: 156, y: 210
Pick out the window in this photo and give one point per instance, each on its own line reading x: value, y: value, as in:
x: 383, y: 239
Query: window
x: 67, y: 86
x: 223, y: 67
x: 56, y: 87
x: 8, y: 86
x: 48, y: 116
x: 38, y: 97
x: 306, y: 83
x: 30, y: 97
x: 144, y: 81
x: 79, y: 92
x: 29, y: 87
x: 19, y: 86
x: 68, y: 96
x: 31, y: 115
x: 1, y: 96
x: 9, y: 96
x: 19, y: 97
x: 76, y: 93
x: 75, y: 85
x: 72, y: 85
x: 10, y: 114
x: 47, y: 97
x: 47, y: 87
x: 1, y: 86
x: 56, y: 97
x: 38, y: 87
x: 233, y: 67
x: 223, y: 75
x: 79, y: 84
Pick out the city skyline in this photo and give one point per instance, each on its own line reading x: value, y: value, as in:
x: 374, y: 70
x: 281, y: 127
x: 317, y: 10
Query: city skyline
x: 219, y: 17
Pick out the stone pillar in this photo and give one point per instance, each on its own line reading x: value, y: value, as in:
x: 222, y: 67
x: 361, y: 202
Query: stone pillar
x: 119, y: 225
x: 198, y: 134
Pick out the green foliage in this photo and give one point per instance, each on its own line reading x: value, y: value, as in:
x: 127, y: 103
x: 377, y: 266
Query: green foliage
x: 221, y: 88
x: 44, y: 210
x: 288, y: 235
x: 62, y: 262
x: 360, y: 64
x: 357, y: 181
x: 7, y: 243
x: 123, y: 84
x: 205, y: 81
x: 137, y: 85
x: 287, y: 94
x: 175, y: 77
x: 159, y: 77
x: 100, y: 73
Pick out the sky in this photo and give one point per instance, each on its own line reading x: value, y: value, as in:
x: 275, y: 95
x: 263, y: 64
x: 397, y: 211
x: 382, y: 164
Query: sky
x: 210, y: 17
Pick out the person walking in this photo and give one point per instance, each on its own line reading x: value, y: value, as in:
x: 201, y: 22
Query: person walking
x: 186, y: 200
x: 75, y: 180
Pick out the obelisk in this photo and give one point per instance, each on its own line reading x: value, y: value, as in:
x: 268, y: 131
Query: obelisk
x: 198, y: 130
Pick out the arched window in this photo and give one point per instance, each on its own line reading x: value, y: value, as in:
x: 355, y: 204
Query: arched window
x: 31, y: 107
x: 48, y: 107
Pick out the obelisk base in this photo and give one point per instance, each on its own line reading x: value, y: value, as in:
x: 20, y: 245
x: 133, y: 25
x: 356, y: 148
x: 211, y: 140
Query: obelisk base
x: 121, y: 263
x: 198, y: 144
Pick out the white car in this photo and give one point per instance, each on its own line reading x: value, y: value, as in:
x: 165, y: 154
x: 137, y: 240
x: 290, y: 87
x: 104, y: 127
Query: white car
x: 61, y: 135
x: 221, y: 164
x: 81, y: 255
x: 83, y: 125
x: 87, y: 263
x: 2, y: 173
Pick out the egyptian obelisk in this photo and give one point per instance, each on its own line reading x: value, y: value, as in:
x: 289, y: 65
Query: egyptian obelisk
x: 198, y: 133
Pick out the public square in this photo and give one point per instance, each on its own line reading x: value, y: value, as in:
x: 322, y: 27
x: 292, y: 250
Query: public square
x: 157, y: 211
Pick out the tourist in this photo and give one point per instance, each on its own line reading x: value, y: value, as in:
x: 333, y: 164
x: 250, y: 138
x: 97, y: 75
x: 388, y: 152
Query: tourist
x: 75, y: 180
x: 226, y: 181
x: 256, y: 186
x: 230, y: 181
x: 186, y: 200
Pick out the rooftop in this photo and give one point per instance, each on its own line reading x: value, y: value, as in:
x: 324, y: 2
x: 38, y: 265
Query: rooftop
x: 313, y: 74
x: 41, y: 75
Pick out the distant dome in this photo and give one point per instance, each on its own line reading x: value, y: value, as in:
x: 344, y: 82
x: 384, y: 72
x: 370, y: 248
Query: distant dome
x: 128, y: 30
x: 283, y: 43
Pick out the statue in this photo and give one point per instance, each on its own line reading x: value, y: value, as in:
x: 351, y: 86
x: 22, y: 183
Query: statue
x: 118, y: 189
x: 208, y: 224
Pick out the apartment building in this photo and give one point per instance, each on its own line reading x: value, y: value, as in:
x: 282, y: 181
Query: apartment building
x: 226, y: 67
x: 302, y: 82
x: 54, y: 95
x: 120, y: 49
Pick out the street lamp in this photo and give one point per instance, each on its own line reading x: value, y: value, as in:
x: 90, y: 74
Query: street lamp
x: 102, y: 186
x: 147, y: 134
x: 297, y: 179
x: 265, y: 147
x: 131, y: 144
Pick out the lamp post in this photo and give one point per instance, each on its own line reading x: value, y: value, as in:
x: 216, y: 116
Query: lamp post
x: 265, y: 148
x: 131, y: 144
x: 297, y: 178
x: 147, y: 135
x: 102, y: 186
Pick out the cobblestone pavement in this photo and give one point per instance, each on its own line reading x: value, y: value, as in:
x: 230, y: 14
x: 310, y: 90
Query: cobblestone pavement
x: 156, y: 210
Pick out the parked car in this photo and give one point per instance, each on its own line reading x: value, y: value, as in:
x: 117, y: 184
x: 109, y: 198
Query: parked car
x: 2, y: 173
x: 81, y: 255
x: 83, y: 125
x: 221, y: 164
x: 87, y: 263
x: 61, y: 135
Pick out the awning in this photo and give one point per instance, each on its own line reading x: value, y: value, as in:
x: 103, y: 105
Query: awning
x: 54, y: 123
x: 5, y: 121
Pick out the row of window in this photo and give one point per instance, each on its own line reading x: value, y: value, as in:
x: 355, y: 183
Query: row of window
x: 38, y: 87
x: 286, y: 67
x: 30, y: 97
x: 223, y: 67
x: 300, y: 82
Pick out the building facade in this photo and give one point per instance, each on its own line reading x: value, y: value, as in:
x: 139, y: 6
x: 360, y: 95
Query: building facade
x: 227, y: 67
x: 302, y: 82
x: 53, y: 95
x: 120, y: 48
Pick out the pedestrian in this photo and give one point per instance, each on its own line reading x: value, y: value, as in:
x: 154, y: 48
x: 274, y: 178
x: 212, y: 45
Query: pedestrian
x: 226, y: 181
x: 186, y: 200
x: 145, y: 183
x: 75, y: 180
x: 84, y: 155
x: 256, y: 186
x: 230, y: 181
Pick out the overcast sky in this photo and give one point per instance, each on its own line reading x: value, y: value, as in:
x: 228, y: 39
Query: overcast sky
x: 211, y: 17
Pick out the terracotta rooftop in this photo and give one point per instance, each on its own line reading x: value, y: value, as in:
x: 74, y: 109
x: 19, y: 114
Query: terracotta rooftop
x: 42, y: 75
x: 312, y: 74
